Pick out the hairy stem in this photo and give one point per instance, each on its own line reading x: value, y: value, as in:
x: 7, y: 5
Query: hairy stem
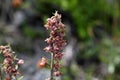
x: 0, y: 74
x: 52, y: 66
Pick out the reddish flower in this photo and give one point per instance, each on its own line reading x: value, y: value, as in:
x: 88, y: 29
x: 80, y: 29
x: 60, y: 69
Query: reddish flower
x: 42, y: 63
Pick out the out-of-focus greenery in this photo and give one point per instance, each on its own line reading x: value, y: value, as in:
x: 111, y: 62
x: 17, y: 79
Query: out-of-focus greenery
x: 32, y: 32
x: 106, y: 51
x: 85, y: 12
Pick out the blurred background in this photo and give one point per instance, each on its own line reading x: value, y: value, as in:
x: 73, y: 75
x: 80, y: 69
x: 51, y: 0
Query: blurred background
x: 93, y: 36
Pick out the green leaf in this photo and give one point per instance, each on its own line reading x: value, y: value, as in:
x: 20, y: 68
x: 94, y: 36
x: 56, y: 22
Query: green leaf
x: 16, y: 66
x: 0, y: 51
x: 20, y: 78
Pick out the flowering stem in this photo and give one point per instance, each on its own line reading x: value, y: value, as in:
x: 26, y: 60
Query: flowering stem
x: 10, y: 75
x: 52, y: 66
x: 55, y: 43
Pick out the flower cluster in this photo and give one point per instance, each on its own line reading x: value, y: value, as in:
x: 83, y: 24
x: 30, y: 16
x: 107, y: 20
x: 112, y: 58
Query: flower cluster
x: 55, y: 41
x: 10, y: 63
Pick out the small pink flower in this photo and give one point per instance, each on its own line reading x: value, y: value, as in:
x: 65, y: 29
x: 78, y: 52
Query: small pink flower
x: 20, y: 61
x: 48, y: 40
x: 48, y: 49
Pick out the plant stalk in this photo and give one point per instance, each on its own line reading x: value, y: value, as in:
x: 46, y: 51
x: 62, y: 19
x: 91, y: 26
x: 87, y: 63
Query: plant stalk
x: 15, y: 78
x: 52, y: 66
x: 1, y: 74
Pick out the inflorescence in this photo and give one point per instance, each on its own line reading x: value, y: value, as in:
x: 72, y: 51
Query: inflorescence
x: 55, y: 41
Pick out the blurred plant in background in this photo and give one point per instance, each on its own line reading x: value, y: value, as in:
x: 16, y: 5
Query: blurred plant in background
x: 9, y: 67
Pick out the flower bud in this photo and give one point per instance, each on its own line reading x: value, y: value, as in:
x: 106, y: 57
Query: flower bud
x: 42, y: 63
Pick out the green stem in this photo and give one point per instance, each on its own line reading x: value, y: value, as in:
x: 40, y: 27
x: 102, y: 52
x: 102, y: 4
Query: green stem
x: 15, y: 78
x: 1, y: 73
x: 52, y: 66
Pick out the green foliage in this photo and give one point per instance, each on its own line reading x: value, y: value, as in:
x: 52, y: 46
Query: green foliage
x: 31, y: 32
x: 20, y: 78
x: 84, y: 12
x: 107, y: 50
